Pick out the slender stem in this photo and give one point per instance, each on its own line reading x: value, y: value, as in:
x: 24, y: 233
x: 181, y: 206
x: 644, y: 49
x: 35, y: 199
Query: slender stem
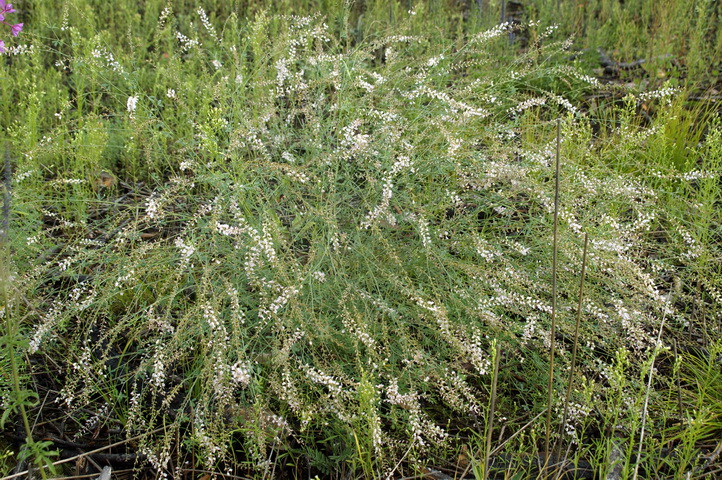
x: 649, y: 386
x: 555, y: 242
x: 12, y: 327
x: 492, y: 408
x: 516, y: 434
x: 679, y: 382
x: 576, y: 338
x: 7, y: 197
x: 14, y: 367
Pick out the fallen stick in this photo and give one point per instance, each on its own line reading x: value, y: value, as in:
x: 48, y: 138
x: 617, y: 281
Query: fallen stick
x: 92, y: 452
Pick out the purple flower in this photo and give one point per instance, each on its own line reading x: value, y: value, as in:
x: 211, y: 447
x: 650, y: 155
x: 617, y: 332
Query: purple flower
x: 6, y: 8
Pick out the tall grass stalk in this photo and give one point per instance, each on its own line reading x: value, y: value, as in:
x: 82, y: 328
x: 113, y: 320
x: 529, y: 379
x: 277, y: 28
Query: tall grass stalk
x: 7, y: 196
x: 677, y: 378
x: 492, y: 410
x: 575, y: 342
x: 650, y: 375
x: 555, y: 247
x: 11, y: 342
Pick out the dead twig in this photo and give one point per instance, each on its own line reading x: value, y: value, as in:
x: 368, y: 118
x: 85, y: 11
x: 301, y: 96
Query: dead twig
x: 86, y: 454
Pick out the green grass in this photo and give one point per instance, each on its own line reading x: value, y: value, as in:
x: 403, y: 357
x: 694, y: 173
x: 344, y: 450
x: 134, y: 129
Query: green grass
x: 274, y: 245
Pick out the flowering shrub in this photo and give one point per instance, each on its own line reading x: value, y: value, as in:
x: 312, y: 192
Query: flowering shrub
x: 313, y: 244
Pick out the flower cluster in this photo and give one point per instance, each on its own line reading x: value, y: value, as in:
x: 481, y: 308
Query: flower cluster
x: 497, y: 31
x: 207, y: 23
x: 407, y: 231
x: 103, y: 58
x: 6, y: 8
x: 665, y: 93
x: 241, y: 373
x: 186, y: 42
x: 131, y: 104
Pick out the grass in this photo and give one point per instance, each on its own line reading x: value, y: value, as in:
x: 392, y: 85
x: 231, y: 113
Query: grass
x: 254, y: 243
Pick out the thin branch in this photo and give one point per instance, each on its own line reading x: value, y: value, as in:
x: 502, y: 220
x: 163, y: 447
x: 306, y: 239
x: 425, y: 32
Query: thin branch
x: 576, y: 336
x: 649, y: 387
x: 555, y: 245
x: 85, y: 454
x: 492, y: 407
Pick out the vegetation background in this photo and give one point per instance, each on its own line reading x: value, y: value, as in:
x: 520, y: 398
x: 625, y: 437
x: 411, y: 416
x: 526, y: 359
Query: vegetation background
x: 329, y: 238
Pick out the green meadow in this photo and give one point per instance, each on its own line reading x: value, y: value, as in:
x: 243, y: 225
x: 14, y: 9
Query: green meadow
x: 361, y: 239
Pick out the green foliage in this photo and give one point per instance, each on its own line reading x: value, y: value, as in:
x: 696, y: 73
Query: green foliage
x: 41, y: 454
x: 13, y: 401
x: 6, y: 459
x: 677, y: 40
x: 267, y: 241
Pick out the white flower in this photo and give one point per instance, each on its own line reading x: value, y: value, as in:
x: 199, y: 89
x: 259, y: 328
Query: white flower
x: 131, y: 104
x: 241, y: 373
x: 152, y: 208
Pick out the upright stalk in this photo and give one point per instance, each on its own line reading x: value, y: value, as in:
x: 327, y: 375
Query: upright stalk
x: 492, y: 408
x: 8, y: 183
x: 645, y: 410
x: 12, y: 332
x: 555, y: 241
x: 576, y: 338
